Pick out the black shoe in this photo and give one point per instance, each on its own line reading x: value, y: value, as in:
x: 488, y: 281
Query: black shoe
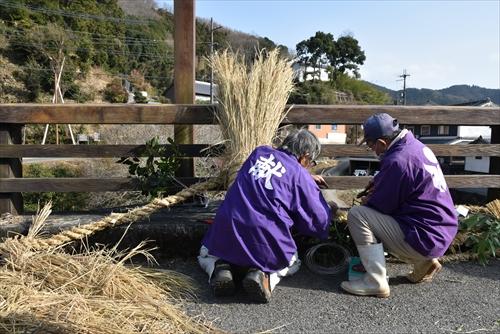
x: 221, y: 282
x: 257, y: 286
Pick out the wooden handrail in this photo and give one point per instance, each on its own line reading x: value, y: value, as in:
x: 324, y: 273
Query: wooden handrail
x: 204, y: 114
x: 13, y: 116
x: 78, y: 184
x: 99, y: 151
x: 203, y: 150
x: 123, y: 184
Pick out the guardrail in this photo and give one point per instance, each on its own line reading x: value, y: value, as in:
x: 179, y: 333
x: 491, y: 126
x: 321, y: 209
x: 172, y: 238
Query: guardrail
x: 14, y: 116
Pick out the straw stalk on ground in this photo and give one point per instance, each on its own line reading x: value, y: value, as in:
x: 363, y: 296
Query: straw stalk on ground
x: 45, y: 289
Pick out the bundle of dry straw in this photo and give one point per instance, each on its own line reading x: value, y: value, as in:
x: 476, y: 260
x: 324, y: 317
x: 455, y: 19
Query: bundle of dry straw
x: 44, y: 289
x: 53, y: 291
x: 492, y: 208
x: 251, y: 102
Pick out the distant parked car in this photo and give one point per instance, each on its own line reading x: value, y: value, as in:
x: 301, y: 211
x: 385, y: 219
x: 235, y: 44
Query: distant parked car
x: 360, y: 172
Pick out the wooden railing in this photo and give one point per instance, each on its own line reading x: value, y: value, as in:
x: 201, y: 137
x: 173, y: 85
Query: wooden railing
x: 14, y: 116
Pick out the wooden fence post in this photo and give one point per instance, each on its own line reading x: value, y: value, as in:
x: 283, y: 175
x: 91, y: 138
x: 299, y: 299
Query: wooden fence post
x: 184, y: 74
x: 10, y: 168
x: 494, y: 193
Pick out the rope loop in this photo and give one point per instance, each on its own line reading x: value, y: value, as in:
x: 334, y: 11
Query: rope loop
x: 327, y: 258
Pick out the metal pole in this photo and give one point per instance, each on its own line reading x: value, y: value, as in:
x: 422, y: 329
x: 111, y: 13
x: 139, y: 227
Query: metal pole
x: 404, y: 89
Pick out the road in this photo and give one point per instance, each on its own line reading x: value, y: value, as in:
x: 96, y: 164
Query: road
x: 464, y: 298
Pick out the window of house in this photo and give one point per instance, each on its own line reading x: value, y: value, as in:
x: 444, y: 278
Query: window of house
x: 334, y: 126
x: 318, y: 126
x: 425, y: 130
x: 443, y: 130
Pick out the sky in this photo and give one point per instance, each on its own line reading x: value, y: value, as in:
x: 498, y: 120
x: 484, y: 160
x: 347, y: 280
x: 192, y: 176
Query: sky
x: 439, y: 43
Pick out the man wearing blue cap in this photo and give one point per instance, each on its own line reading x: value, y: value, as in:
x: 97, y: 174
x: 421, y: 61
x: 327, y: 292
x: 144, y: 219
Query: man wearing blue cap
x: 407, y: 209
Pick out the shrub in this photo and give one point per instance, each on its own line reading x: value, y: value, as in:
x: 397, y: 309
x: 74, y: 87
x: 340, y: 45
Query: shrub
x: 71, y: 201
x: 156, y: 173
x: 137, y: 79
x: 34, y: 133
x: 115, y: 93
x: 139, y: 98
x: 481, y: 235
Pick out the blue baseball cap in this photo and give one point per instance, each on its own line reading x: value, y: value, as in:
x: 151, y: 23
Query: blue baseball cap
x: 378, y: 126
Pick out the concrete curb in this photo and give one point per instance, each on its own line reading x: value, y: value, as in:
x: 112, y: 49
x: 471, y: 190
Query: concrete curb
x: 175, y: 232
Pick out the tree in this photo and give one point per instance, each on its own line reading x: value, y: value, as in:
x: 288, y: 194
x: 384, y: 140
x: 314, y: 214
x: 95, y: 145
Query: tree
x: 54, y: 44
x: 336, y: 56
x: 51, y: 44
x: 347, y: 56
x: 314, y: 52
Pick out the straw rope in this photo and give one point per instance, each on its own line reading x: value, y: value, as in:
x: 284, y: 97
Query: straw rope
x: 253, y: 109
x: 114, y: 219
x: 252, y: 102
x: 458, y: 257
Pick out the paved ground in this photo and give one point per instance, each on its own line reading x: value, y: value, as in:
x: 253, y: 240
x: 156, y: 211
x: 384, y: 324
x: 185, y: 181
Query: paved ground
x: 464, y: 298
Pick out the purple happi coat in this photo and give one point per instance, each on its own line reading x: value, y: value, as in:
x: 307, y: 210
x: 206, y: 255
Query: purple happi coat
x: 411, y: 188
x: 271, y: 193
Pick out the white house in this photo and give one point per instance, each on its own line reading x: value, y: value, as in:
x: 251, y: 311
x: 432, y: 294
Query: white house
x: 301, y: 69
x: 478, y: 164
x: 201, y: 90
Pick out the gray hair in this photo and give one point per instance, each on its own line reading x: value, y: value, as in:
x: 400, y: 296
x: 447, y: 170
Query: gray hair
x: 302, y: 142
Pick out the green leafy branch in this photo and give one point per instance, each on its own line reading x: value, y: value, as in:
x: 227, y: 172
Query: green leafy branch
x: 156, y: 172
x: 482, y: 233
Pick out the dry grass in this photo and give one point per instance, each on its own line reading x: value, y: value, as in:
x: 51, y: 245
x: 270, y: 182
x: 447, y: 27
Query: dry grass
x: 492, y: 208
x: 251, y: 100
x: 94, y: 83
x: 94, y: 292
x: 54, y: 291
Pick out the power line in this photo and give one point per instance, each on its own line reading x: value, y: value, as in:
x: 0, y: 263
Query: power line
x: 43, y: 10
x: 96, y: 40
x: 131, y: 39
x: 121, y: 75
x: 108, y: 51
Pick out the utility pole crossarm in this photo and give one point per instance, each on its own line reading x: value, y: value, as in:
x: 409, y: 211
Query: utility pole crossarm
x: 404, y: 75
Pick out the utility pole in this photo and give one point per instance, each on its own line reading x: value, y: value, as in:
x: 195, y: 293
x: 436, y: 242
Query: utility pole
x: 404, y: 75
x: 212, y: 29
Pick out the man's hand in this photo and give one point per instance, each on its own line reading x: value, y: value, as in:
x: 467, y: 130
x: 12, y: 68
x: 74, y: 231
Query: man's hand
x: 320, y: 181
x: 333, y: 207
x: 364, y: 200
x: 367, y: 191
x: 365, y: 194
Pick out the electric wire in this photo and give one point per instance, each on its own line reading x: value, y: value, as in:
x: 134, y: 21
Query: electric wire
x: 104, y: 37
x: 121, y: 75
x: 150, y: 56
x: 43, y: 10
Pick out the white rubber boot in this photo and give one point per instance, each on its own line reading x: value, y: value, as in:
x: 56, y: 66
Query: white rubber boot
x: 374, y: 282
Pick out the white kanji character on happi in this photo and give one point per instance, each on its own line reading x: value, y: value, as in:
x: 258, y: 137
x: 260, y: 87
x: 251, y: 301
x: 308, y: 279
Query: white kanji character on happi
x: 267, y: 168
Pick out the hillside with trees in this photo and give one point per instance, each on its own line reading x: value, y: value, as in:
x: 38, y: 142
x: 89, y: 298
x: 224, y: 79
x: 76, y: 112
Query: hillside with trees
x: 340, y: 59
x: 86, y: 38
x: 447, y: 96
x: 94, y: 45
